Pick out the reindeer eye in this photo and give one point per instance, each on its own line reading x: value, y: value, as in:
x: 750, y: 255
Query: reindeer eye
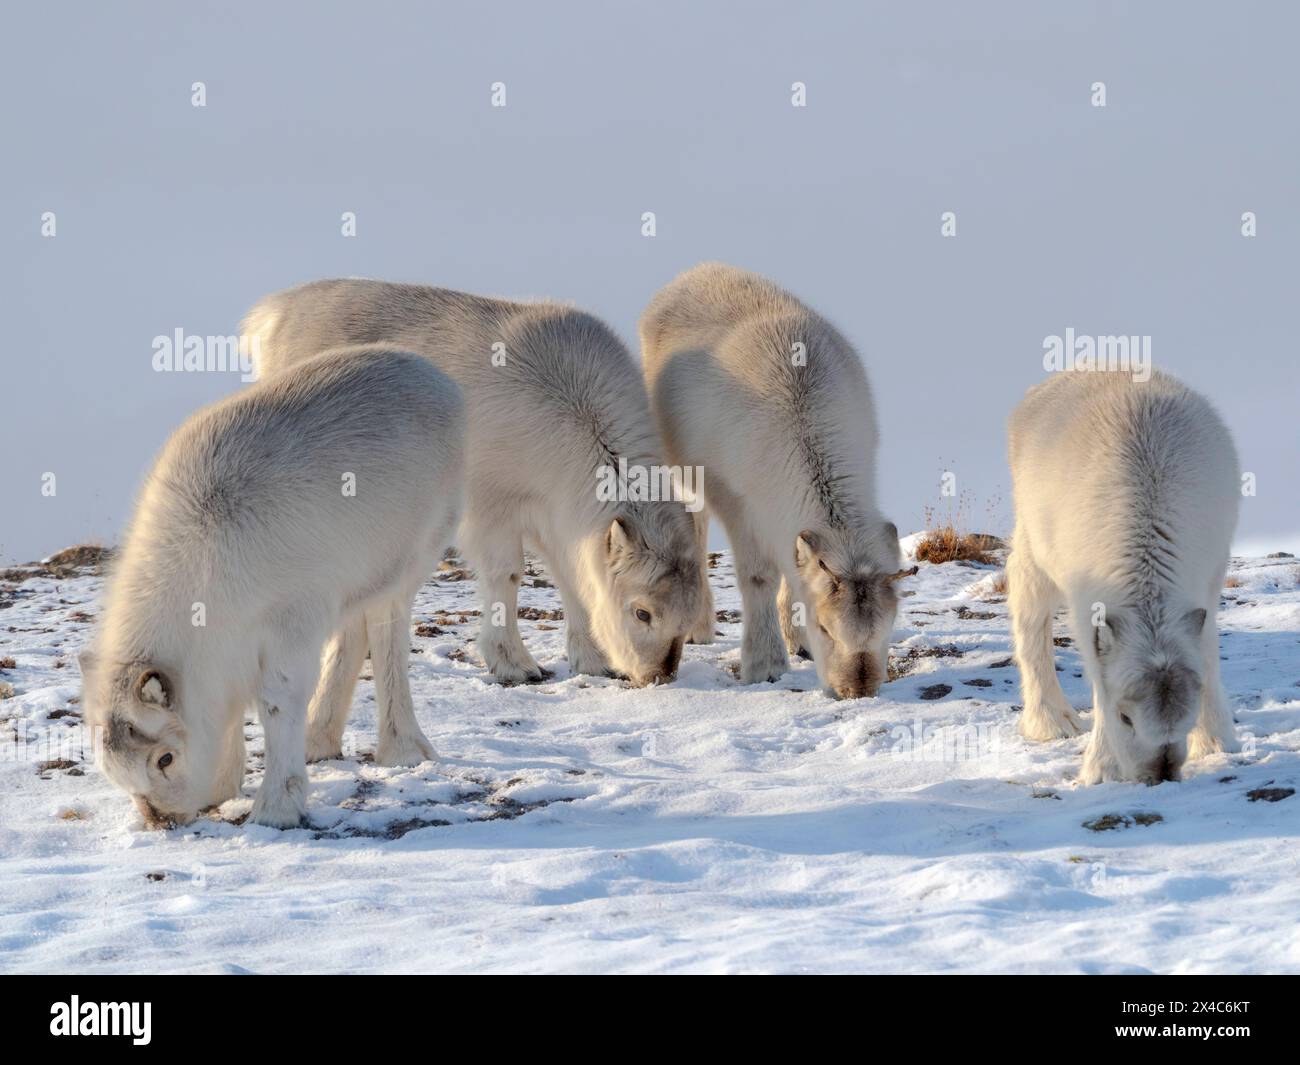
x: 164, y: 761
x: 1126, y: 720
x: 643, y: 615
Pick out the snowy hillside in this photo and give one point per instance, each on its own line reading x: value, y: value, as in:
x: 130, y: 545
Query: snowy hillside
x: 702, y: 826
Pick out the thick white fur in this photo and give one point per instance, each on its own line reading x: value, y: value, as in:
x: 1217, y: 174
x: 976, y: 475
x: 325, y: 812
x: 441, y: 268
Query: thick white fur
x: 552, y: 396
x: 787, y: 439
x: 1126, y: 496
x: 245, y: 512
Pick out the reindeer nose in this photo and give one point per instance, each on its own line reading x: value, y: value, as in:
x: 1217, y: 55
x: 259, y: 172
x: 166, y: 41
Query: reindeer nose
x: 672, y: 659
x: 857, y: 690
x: 153, y: 817
x: 865, y: 680
x: 1167, y: 764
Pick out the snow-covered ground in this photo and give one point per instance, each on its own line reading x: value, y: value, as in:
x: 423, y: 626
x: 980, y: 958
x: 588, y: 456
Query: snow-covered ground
x: 583, y: 826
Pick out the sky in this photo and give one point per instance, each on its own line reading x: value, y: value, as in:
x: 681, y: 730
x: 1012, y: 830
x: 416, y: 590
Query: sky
x: 1122, y: 219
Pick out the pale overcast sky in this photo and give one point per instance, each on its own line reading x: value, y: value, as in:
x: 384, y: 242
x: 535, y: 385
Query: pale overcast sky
x: 1123, y: 219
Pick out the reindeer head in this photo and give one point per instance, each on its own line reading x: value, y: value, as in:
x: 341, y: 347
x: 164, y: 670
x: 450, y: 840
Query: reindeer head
x: 1149, y: 672
x: 170, y: 771
x: 851, y: 604
x: 648, y: 589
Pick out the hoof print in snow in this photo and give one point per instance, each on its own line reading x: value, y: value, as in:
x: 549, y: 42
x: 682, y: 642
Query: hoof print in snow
x: 155, y: 877
x: 1270, y: 794
x: 934, y: 691
x: 1110, y: 822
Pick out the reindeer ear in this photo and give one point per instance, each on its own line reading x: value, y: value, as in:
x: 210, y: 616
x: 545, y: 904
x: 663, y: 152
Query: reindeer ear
x: 890, y: 532
x: 88, y: 660
x: 1103, y: 639
x: 154, y: 689
x: 618, y: 540
x: 1194, y: 620
x: 806, y: 546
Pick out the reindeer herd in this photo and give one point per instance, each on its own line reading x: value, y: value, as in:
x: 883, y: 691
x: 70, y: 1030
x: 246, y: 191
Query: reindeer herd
x: 298, y: 518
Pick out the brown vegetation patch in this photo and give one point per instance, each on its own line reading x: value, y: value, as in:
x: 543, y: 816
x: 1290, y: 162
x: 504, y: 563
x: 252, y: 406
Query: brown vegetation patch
x: 946, y: 544
x: 531, y: 613
x: 1270, y: 794
x: 904, y: 664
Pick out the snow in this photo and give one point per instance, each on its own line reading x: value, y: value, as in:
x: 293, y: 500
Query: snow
x: 580, y: 825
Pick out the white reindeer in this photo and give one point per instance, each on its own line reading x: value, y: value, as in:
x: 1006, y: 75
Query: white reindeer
x: 774, y: 404
x: 1126, y: 499
x: 306, y: 505
x: 553, y: 398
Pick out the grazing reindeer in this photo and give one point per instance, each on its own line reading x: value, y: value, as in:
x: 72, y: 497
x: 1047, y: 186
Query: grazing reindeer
x: 306, y: 505
x: 1126, y: 499
x: 553, y: 397
x: 773, y: 403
